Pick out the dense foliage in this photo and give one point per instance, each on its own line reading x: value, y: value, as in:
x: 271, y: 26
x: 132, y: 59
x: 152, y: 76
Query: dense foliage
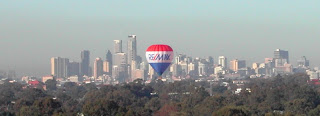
x: 281, y: 95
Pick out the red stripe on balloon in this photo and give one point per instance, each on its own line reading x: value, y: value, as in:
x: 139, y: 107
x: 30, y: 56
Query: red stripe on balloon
x: 159, y: 47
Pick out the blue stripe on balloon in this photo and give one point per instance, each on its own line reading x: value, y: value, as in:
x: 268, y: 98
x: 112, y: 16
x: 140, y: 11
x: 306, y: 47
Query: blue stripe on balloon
x: 160, y: 67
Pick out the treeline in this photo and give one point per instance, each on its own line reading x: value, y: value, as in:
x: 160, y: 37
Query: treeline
x: 281, y: 95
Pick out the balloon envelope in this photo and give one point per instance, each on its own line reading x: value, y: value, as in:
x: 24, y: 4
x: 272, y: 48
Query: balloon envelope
x: 159, y: 57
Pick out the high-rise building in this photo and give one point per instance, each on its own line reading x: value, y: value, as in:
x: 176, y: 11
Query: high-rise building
x: 132, y: 49
x: 117, y: 46
x: 303, y: 62
x: 119, y: 72
x: 54, y: 65
x: 120, y: 58
x: 144, y: 66
x: 151, y: 72
x: 236, y: 64
x: 223, y: 61
x: 59, y: 67
x: 110, y: 63
x: 255, y: 65
x: 210, y: 64
x: 179, y: 58
x: 73, y: 68
x: 281, y: 54
x: 210, y: 60
x: 106, y: 67
x: 202, y: 69
x: 268, y: 60
x: 285, y: 69
x: 138, y: 59
x: 120, y: 67
x: 219, y: 70
x: 184, y: 67
x: 280, y: 62
x: 192, y: 68
x: 84, y: 64
x: 98, y: 68
x: 175, y: 69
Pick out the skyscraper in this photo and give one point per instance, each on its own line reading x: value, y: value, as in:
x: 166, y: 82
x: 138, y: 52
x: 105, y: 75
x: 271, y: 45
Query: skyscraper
x: 98, y: 68
x: 202, y: 68
x: 223, y: 61
x: 106, y: 67
x: 120, y: 67
x: 303, y: 62
x: 132, y: 49
x: 210, y: 63
x: 281, y: 54
x: 236, y: 64
x: 59, y: 67
x: 120, y: 59
x: 73, y: 68
x: 179, y: 58
x: 85, y: 60
x: 117, y: 46
x: 109, y: 63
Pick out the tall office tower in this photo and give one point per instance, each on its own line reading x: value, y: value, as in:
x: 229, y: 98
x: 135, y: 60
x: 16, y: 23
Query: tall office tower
x: 84, y: 64
x: 303, y: 62
x: 73, y: 69
x: 106, y: 67
x: 119, y: 72
x: 202, y: 69
x: 98, y: 68
x: 120, y: 59
x: 280, y: 62
x: 175, y: 69
x: 109, y: 61
x: 184, y: 68
x: 117, y: 46
x: 132, y: 49
x: 138, y: 61
x: 59, y: 67
x: 180, y: 58
x: 151, y: 72
x: 210, y: 60
x: 236, y: 64
x: 144, y: 66
x: 281, y: 54
x: 223, y: 61
x: 192, y: 68
x: 210, y: 64
x: 120, y: 67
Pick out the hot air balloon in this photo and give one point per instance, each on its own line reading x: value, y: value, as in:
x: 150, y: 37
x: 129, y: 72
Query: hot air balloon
x: 159, y: 57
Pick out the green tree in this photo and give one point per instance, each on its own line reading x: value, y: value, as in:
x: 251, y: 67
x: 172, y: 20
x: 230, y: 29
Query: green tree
x: 51, y: 84
x: 153, y: 104
x: 299, y: 106
x: 232, y: 111
x: 315, y: 111
x: 100, y: 108
x: 48, y: 106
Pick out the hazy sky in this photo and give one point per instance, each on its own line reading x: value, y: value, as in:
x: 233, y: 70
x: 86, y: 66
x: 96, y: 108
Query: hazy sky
x: 32, y: 31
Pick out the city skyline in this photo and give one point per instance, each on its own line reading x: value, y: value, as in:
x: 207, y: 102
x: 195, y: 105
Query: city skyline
x: 161, y: 58
x: 239, y: 29
x: 294, y: 62
x: 116, y: 67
